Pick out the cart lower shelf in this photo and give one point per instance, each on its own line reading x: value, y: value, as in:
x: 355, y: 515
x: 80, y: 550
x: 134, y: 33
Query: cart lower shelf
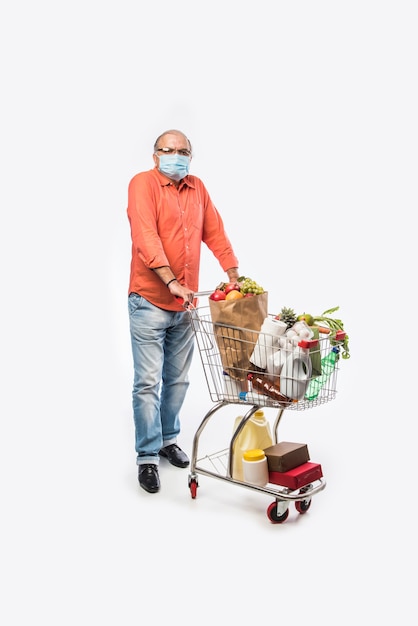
x: 217, y: 466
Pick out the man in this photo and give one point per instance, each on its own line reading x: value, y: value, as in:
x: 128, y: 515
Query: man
x: 170, y: 214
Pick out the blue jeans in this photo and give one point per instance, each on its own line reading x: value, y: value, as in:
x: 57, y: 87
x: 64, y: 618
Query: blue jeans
x: 162, y: 349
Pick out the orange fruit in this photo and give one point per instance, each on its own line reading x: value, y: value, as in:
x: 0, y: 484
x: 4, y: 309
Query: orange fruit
x: 234, y: 295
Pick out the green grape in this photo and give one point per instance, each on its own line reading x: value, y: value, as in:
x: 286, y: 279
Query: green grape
x: 248, y: 285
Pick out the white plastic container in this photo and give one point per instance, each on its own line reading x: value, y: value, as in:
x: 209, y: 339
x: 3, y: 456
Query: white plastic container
x: 255, y: 467
x: 296, y: 373
x: 275, y: 362
x: 256, y: 434
x: 268, y: 341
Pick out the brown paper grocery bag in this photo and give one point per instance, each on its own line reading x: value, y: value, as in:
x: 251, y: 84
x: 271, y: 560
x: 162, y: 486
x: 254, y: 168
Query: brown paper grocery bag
x: 237, y: 325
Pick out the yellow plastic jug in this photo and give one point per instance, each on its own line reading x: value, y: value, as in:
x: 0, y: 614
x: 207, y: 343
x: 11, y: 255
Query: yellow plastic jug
x: 256, y: 434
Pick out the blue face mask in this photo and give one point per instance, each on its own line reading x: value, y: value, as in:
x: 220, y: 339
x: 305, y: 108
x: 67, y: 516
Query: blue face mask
x: 175, y: 166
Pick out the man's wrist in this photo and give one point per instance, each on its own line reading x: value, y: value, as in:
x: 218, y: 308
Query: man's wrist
x: 170, y: 281
x: 233, y: 273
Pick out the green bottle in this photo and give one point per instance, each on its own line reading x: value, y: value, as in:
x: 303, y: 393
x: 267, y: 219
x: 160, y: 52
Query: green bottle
x: 328, y: 364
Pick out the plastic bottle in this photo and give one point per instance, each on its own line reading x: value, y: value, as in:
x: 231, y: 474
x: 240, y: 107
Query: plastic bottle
x: 256, y: 434
x: 295, y: 373
x: 263, y: 385
x: 275, y: 363
x: 267, y: 341
x: 328, y: 364
x: 255, y: 467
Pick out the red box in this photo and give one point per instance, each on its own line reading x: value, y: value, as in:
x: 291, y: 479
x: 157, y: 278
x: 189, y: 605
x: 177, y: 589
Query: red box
x: 297, y: 477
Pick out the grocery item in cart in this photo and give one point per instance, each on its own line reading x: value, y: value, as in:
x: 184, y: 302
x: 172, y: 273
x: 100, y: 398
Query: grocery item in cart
x: 256, y: 433
x: 255, y: 467
x: 297, y: 477
x: 275, y: 362
x: 267, y: 342
x: 263, y: 385
x: 236, y: 325
x: 295, y: 373
x: 286, y: 455
x: 328, y: 363
x: 299, y: 332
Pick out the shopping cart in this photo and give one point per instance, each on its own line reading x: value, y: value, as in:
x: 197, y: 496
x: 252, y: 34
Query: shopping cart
x: 228, y: 385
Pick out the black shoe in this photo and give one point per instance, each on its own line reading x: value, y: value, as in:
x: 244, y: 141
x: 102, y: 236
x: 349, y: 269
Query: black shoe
x: 175, y: 455
x: 148, y: 477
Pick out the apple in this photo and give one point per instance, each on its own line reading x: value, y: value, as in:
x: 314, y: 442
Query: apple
x: 217, y: 295
x: 306, y: 317
x: 230, y: 287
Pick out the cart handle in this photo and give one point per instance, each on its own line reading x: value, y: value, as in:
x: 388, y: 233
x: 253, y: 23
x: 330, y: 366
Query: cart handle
x: 199, y: 294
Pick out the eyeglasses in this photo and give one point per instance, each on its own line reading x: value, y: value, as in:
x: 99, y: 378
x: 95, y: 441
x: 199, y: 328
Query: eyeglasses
x: 182, y: 151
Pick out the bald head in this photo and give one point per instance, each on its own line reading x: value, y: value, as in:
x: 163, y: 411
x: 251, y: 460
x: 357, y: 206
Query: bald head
x: 174, y: 134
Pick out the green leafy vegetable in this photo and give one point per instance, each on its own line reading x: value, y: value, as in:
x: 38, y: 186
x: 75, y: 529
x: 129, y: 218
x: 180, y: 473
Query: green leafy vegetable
x: 334, y: 325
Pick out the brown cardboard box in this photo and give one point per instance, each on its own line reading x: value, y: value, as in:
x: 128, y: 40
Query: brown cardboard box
x: 284, y: 456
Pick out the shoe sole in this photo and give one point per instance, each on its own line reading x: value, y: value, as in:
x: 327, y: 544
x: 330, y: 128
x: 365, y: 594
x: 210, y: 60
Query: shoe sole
x: 156, y: 490
x: 182, y: 465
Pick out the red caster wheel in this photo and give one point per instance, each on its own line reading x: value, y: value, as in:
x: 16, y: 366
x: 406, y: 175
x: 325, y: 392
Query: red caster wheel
x: 193, y: 484
x: 303, y: 505
x: 277, y: 513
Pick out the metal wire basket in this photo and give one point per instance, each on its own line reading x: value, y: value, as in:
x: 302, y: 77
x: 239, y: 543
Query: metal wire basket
x: 286, y: 385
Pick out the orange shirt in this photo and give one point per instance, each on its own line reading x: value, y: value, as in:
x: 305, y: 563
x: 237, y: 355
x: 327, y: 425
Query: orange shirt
x: 168, y: 226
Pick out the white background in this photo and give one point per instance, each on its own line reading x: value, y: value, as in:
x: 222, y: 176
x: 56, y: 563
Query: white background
x: 303, y: 120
